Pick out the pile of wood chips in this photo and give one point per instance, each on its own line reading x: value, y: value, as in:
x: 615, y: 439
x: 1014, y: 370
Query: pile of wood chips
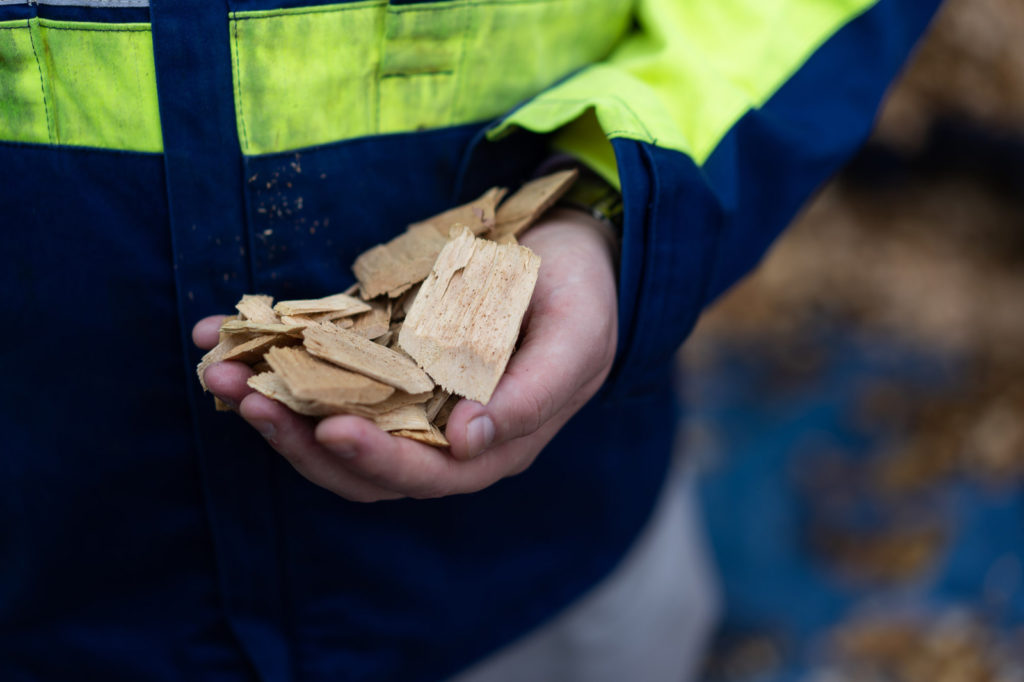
x: 434, y: 317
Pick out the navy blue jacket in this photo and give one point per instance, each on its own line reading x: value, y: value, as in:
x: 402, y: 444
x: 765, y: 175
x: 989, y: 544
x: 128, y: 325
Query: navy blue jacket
x: 144, y: 536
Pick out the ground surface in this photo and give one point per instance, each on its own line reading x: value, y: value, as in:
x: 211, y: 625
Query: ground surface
x: 857, y: 406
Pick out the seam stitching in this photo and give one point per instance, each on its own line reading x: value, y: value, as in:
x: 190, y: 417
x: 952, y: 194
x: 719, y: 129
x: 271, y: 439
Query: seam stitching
x: 378, y: 78
x: 42, y: 85
x: 238, y: 91
x: 100, y: 30
x: 457, y: 89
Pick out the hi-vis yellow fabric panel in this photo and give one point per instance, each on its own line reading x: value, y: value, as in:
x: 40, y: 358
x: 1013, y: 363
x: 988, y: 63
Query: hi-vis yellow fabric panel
x: 685, y: 76
x: 309, y: 76
x: 78, y: 83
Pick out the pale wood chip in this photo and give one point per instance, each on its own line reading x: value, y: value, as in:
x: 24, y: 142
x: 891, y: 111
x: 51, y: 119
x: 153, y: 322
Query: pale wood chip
x: 441, y: 420
x: 313, y: 320
x: 374, y: 323
x: 351, y: 351
x: 399, y: 399
x: 399, y: 290
x: 436, y: 402
x: 308, y: 378
x: 401, y: 351
x: 463, y: 327
x: 411, y: 417
x: 478, y: 215
x: 298, y: 320
x: 352, y: 289
x: 343, y: 317
x: 404, y: 303
x: 221, y: 336
x: 393, y: 267
x: 385, y: 338
x: 256, y: 308
x: 271, y: 385
x: 523, y: 208
x: 252, y: 351
x: 216, y: 354
x: 432, y: 437
x: 341, y: 304
x: 249, y: 327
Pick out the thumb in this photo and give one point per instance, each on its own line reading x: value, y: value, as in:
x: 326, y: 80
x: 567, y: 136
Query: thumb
x: 530, y: 393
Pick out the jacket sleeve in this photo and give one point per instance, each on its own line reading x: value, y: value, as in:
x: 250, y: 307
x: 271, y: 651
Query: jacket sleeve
x: 717, y: 119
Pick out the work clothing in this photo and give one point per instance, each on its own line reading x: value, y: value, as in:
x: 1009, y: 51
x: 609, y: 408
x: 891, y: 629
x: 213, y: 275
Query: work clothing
x: 158, y: 161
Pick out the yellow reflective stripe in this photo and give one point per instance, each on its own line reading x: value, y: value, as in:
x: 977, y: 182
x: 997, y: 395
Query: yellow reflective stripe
x: 79, y: 83
x: 316, y: 75
x: 23, y: 115
x: 687, y: 75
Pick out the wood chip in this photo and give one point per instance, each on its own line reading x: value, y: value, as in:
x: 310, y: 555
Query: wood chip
x: 270, y: 385
x: 432, y: 437
x: 436, y: 402
x: 406, y: 417
x: 298, y: 320
x: 338, y: 303
x: 465, y: 321
x: 523, y: 208
x: 308, y: 378
x: 221, y: 336
x: 257, y: 308
x: 313, y: 320
x: 478, y: 215
x: 394, y: 267
x: 441, y: 420
x: 351, y: 351
x: 338, y: 317
x: 217, y: 354
x: 396, y: 400
x: 404, y: 303
x: 374, y: 323
x: 252, y: 351
x: 251, y: 328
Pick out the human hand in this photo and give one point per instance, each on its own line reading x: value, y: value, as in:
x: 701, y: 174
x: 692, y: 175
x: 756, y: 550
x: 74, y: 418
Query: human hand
x: 565, y: 353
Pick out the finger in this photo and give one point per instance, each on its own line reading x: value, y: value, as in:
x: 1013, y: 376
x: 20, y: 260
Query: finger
x: 404, y: 465
x: 227, y: 381
x: 292, y: 436
x: 206, y: 332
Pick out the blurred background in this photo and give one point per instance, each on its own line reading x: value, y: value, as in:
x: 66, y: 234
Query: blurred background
x: 857, y: 405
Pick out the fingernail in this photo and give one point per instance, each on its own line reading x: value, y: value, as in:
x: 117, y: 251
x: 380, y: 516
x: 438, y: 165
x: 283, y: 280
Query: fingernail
x: 479, y: 435
x: 266, y: 429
